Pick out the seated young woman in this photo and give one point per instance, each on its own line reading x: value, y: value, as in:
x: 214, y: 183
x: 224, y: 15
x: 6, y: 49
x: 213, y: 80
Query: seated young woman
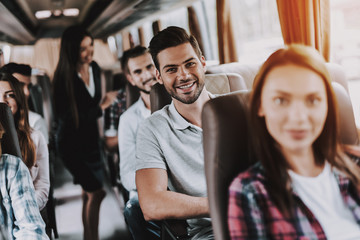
x: 19, y: 214
x: 33, y: 145
x: 303, y: 186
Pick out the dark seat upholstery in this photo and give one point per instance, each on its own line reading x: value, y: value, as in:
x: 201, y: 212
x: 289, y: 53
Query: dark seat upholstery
x: 227, y: 150
x: 10, y: 141
x: 132, y: 95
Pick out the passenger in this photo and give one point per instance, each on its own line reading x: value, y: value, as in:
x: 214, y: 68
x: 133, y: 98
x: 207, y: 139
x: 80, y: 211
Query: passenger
x: 78, y: 105
x: 19, y: 214
x: 33, y: 146
x: 140, y: 72
x: 169, y: 147
x: 22, y: 72
x: 304, y: 186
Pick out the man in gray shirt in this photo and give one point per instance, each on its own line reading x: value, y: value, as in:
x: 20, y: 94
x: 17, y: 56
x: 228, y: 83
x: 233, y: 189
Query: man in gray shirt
x: 169, y: 148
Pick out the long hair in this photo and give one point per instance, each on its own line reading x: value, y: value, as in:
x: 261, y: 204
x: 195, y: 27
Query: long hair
x: 325, y: 147
x: 2, y: 131
x: 65, y: 72
x: 21, y: 119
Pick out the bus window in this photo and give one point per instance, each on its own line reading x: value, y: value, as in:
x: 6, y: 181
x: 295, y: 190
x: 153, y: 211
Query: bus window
x: 345, y: 46
x: 257, y: 29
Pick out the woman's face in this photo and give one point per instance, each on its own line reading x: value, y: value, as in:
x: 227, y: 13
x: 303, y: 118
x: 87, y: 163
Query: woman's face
x: 294, y: 105
x: 86, y: 50
x: 7, y: 96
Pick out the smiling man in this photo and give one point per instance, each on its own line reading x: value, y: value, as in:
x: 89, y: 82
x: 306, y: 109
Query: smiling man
x: 169, y: 148
x: 139, y: 69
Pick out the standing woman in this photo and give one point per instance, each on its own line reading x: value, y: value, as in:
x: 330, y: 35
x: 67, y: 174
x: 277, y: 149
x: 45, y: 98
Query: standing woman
x: 33, y: 146
x: 78, y: 105
x: 304, y: 186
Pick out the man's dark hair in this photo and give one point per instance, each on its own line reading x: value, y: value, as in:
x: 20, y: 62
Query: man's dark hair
x: 12, y: 67
x: 171, y: 37
x: 131, y: 53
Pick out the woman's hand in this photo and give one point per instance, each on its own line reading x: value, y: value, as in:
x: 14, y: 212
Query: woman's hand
x: 108, y: 99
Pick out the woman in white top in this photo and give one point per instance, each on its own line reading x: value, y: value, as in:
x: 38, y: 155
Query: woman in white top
x: 33, y: 146
x: 304, y: 186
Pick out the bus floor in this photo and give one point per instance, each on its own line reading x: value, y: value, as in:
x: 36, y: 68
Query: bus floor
x: 69, y: 206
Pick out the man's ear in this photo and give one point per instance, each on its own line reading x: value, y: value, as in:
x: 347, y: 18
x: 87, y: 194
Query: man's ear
x: 158, y: 77
x: 130, y: 79
x: 203, y: 62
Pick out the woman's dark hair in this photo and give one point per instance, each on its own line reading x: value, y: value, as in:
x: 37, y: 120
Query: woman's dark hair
x: 2, y: 131
x: 171, y: 37
x: 65, y: 72
x: 326, y: 146
x: 21, y: 120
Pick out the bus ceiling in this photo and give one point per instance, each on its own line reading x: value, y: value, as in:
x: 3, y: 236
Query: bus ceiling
x: 23, y: 22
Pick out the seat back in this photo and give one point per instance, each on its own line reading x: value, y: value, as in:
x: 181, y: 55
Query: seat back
x: 227, y: 150
x: 132, y: 95
x: 159, y: 97
x: 10, y: 141
x: 47, y: 100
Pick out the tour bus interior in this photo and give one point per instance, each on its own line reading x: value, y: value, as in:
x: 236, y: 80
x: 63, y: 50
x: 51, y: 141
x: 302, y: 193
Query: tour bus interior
x: 235, y: 36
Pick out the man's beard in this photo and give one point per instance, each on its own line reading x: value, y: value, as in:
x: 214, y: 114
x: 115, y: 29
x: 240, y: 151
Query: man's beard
x: 190, y: 100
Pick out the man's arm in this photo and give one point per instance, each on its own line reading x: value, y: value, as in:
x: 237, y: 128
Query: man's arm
x: 157, y: 203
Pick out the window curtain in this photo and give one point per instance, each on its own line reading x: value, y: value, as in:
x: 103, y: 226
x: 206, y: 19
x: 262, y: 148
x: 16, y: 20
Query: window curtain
x: 194, y: 27
x: 226, y: 39
x: 306, y: 22
x: 156, y: 27
x: 142, y: 36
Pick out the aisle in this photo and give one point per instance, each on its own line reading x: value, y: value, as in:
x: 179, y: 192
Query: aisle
x: 68, y: 210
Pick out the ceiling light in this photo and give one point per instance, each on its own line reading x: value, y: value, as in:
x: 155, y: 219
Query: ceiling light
x: 57, y: 12
x: 71, y: 12
x: 43, y: 14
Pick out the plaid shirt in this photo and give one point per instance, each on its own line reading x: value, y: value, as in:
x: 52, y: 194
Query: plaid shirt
x: 253, y: 215
x: 19, y: 213
x: 113, y: 113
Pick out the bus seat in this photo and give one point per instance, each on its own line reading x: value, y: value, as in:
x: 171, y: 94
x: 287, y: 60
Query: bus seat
x: 36, y: 99
x: 10, y: 142
x: 159, y: 97
x: 226, y: 152
x: 348, y: 132
x: 47, y: 101
x: 247, y: 72
x: 227, y: 149
x: 337, y: 74
x: 224, y: 83
x: 132, y: 95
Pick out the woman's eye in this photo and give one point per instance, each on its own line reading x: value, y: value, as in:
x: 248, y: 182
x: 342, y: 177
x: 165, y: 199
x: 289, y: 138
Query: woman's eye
x: 280, y: 101
x: 314, y: 101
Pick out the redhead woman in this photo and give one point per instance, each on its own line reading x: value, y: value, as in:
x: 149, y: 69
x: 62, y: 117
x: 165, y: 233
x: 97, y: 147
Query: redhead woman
x: 33, y: 145
x: 303, y: 185
x: 78, y: 105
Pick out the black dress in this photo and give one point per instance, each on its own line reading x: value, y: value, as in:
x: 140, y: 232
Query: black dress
x: 79, y: 147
